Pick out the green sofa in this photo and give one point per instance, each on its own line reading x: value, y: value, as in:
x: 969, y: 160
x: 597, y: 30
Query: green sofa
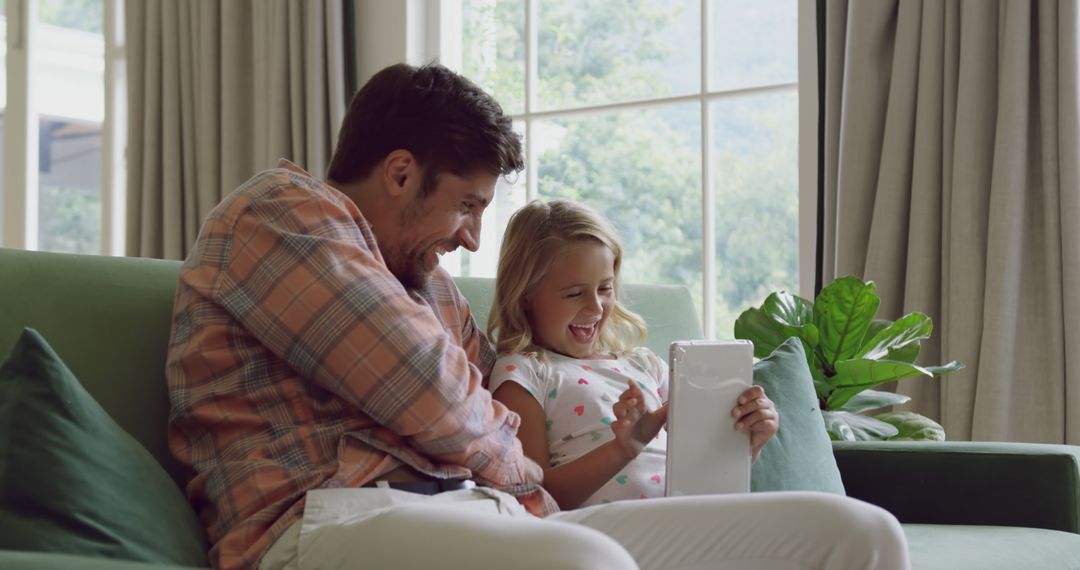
x: 963, y: 505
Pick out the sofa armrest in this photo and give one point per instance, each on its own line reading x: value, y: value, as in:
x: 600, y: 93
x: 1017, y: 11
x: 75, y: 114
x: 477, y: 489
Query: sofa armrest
x: 973, y: 483
x: 17, y: 560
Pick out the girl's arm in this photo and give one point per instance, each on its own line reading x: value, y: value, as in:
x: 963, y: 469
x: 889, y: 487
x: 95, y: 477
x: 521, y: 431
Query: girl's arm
x: 570, y: 483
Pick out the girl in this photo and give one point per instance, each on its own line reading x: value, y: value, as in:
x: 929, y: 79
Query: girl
x: 590, y: 397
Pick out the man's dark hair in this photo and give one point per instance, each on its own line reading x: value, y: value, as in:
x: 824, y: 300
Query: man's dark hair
x: 446, y: 121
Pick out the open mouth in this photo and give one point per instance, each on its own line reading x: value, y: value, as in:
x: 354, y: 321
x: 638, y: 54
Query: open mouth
x: 443, y: 247
x: 435, y: 252
x: 583, y: 334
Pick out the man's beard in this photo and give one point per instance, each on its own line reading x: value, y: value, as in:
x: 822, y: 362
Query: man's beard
x: 409, y: 267
x: 409, y: 270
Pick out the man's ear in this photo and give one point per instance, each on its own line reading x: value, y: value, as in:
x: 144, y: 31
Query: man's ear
x: 400, y: 172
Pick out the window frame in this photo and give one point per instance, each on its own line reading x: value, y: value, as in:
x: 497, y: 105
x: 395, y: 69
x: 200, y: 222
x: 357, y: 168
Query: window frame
x: 447, y: 36
x: 21, y: 160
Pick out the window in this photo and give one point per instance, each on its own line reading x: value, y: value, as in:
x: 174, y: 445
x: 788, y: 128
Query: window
x: 60, y: 170
x: 678, y: 119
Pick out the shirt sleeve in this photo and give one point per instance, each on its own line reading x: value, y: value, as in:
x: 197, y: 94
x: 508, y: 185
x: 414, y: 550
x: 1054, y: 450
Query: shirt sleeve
x: 304, y: 277
x: 657, y: 368
x: 521, y: 369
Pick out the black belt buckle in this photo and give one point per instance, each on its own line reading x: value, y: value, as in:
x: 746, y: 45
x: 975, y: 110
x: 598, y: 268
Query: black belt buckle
x: 432, y: 487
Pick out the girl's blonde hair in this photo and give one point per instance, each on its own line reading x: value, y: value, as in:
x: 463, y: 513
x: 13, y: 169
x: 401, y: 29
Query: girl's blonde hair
x: 536, y: 235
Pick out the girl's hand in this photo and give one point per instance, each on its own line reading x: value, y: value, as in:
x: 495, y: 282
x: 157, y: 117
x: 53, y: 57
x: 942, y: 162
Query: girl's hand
x: 635, y: 425
x: 757, y: 413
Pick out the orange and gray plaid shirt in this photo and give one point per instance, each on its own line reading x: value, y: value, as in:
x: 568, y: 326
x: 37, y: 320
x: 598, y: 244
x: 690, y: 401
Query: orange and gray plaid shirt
x: 298, y: 361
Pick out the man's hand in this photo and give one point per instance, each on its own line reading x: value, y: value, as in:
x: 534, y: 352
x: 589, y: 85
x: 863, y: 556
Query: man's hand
x: 635, y: 425
x: 757, y: 413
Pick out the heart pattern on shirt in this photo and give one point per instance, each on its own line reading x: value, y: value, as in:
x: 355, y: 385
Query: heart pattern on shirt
x: 553, y: 392
x: 606, y: 420
x: 655, y: 479
x: 621, y: 479
x: 579, y: 410
x: 582, y: 381
x: 510, y: 368
x: 586, y: 367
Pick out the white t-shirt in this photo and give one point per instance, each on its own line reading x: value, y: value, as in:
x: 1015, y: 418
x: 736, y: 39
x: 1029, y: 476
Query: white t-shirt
x: 577, y: 396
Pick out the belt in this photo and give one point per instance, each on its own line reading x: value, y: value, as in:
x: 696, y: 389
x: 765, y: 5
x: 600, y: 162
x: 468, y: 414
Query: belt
x: 432, y: 487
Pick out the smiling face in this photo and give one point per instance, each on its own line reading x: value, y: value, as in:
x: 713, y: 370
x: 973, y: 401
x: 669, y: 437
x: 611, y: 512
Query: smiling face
x: 570, y: 305
x: 440, y: 222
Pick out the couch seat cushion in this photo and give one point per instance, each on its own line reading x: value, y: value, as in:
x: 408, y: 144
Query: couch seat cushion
x: 952, y: 547
x: 13, y: 560
x: 73, y: 481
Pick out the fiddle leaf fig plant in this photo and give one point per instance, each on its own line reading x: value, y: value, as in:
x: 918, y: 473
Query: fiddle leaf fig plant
x: 850, y: 352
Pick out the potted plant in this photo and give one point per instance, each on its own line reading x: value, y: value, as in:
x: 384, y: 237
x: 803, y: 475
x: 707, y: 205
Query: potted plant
x: 849, y: 352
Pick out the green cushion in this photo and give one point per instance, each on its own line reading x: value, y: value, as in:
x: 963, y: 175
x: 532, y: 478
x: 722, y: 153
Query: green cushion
x: 966, y: 483
x: 13, y: 560
x: 73, y: 481
x: 799, y: 457
x: 947, y: 547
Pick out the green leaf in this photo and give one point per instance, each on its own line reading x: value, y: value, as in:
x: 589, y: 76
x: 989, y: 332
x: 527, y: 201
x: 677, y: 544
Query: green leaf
x: 843, y: 312
x: 780, y: 317
x: 876, y: 326
x: 762, y: 330
x: 788, y: 309
x: 822, y: 389
x: 872, y: 400
x: 854, y: 376
x: 845, y: 426
x: 795, y: 314
x: 950, y: 367
x: 907, y: 353
x: 912, y: 426
x: 910, y: 328
x: 817, y: 371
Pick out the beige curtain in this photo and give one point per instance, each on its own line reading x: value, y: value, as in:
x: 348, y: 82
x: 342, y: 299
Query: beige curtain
x: 951, y: 180
x: 218, y: 91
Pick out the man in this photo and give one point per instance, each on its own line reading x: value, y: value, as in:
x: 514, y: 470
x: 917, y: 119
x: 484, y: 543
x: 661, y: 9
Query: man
x: 325, y: 374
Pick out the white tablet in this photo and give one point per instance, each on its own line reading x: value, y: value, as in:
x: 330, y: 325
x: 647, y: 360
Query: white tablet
x: 705, y: 453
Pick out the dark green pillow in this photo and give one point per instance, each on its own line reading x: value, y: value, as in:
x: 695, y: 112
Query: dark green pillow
x: 799, y: 457
x: 72, y: 481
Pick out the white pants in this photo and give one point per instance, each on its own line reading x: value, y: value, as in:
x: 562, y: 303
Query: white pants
x: 481, y: 528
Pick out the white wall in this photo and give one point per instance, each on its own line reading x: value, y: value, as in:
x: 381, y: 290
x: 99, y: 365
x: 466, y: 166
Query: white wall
x: 395, y: 31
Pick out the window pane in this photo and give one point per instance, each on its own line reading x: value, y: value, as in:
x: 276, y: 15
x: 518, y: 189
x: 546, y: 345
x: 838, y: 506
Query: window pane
x: 602, y: 52
x: 85, y: 15
x: 493, y: 50
x: 70, y: 59
x: 69, y: 203
x: 756, y: 183
x: 753, y: 43
x: 641, y: 169
x: 510, y: 195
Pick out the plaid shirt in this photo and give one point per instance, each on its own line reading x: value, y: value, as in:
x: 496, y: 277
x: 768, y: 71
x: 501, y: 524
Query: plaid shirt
x: 298, y: 361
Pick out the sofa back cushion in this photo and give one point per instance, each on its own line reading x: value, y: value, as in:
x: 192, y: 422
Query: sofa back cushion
x: 109, y: 317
